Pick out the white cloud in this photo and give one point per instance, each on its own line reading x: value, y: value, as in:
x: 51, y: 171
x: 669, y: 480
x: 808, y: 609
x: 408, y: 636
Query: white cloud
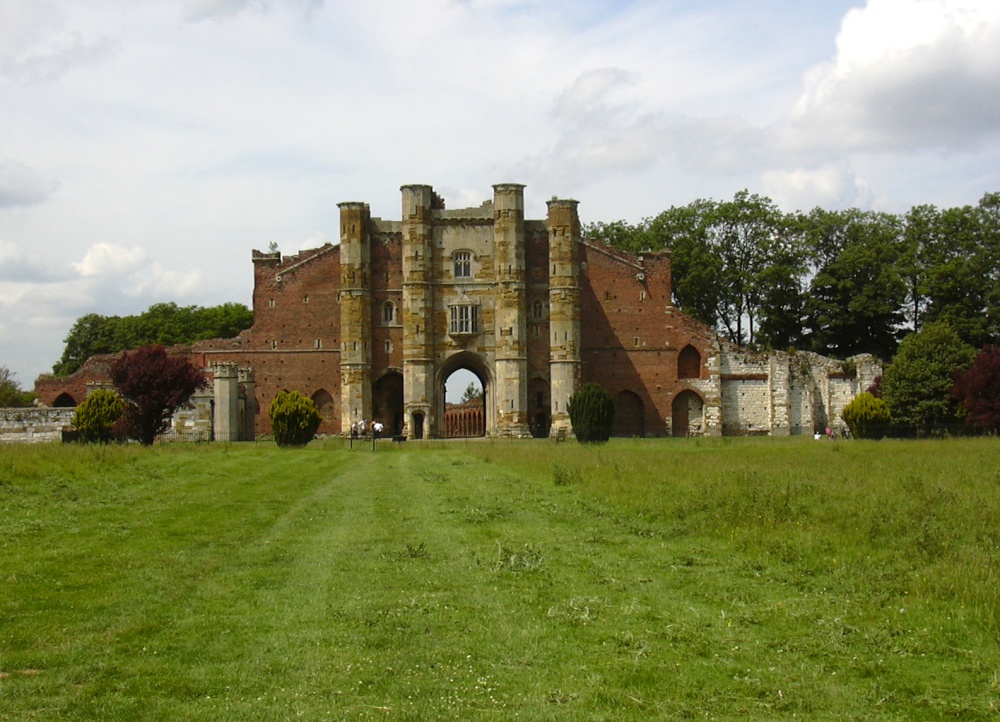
x: 907, y: 74
x: 832, y: 186
x: 106, y: 259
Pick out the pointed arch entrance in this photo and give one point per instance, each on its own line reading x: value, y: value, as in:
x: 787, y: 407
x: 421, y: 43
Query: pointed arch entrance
x: 478, y: 419
x: 630, y: 418
x: 688, y: 412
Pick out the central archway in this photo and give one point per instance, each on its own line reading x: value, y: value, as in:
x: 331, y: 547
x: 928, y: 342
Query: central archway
x: 473, y: 419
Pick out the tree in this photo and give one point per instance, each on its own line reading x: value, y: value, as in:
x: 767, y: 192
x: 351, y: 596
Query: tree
x: 856, y: 297
x: 97, y: 416
x: 154, y: 385
x: 917, y: 384
x: 11, y: 395
x: 696, y: 264
x: 162, y: 323
x: 867, y: 416
x: 471, y: 393
x: 294, y: 419
x: 978, y: 390
x: 591, y: 412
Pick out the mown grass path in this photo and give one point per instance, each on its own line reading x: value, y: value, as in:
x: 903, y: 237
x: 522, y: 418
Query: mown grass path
x: 459, y: 582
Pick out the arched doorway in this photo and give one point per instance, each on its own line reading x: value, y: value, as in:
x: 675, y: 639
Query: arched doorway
x: 630, y: 418
x: 326, y: 407
x: 474, y: 417
x: 688, y: 412
x: 464, y: 407
x: 387, y: 402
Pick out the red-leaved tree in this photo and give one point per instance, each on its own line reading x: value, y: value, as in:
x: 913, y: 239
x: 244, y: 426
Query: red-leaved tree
x: 154, y: 385
x: 978, y: 390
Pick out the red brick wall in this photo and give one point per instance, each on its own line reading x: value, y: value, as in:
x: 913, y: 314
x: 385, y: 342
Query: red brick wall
x: 632, y: 333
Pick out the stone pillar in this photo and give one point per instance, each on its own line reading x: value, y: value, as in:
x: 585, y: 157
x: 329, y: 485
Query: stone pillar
x: 564, y: 309
x: 226, y: 399
x: 355, y: 315
x: 779, y: 379
x: 510, y: 395
x: 418, y: 309
x: 248, y: 402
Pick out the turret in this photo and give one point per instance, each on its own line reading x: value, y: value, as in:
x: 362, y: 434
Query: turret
x: 418, y: 310
x: 510, y: 326
x: 564, y: 309
x: 355, y: 313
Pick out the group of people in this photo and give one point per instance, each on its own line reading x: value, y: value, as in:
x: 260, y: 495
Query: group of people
x: 359, y: 429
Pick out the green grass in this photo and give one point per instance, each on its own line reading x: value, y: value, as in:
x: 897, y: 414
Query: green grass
x: 647, y: 580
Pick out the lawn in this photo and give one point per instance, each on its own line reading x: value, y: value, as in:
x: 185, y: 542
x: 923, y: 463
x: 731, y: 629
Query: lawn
x: 636, y: 580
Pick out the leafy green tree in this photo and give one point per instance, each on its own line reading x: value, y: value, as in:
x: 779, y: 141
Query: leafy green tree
x: 161, y: 324
x: 856, y: 297
x: 97, y: 416
x: 591, y: 413
x: 978, y: 390
x: 90, y: 335
x: 696, y: 264
x: 867, y: 416
x: 11, y: 395
x: 620, y: 234
x: 294, y: 419
x: 917, y: 384
x: 956, y: 278
x: 154, y: 385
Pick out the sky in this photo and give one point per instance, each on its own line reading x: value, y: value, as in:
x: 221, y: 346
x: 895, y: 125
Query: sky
x: 147, y: 146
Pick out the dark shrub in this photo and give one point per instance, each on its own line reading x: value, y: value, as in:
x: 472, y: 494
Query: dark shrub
x: 591, y: 411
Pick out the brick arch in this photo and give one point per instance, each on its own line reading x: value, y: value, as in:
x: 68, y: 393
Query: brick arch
x: 630, y: 415
x: 689, y: 363
x: 688, y: 410
x: 325, y: 404
x: 64, y: 401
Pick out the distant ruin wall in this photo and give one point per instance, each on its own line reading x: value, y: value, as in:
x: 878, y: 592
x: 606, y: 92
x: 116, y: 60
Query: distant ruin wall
x: 782, y: 394
x: 34, y: 424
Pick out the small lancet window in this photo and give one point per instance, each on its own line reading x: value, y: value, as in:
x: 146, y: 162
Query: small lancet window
x: 463, y: 264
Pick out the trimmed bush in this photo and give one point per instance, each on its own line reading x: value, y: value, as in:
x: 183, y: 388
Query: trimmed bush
x: 867, y: 417
x: 96, y: 417
x: 591, y: 411
x: 294, y: 419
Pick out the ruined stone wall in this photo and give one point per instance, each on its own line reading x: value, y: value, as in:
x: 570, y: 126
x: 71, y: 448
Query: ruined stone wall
x: 782, y: 394
x: 34, y: 424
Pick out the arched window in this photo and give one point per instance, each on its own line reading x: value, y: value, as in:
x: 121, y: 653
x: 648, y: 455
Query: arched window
x: 689, y: 363
x: 463, y: 264
x: 537, y: 310
x: 388, y: 313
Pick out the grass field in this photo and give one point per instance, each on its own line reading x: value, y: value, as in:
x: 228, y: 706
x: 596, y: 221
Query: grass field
x: 645, y: 580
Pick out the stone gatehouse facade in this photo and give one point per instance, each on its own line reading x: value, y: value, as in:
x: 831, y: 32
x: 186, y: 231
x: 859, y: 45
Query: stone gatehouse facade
x: 372, y: 327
